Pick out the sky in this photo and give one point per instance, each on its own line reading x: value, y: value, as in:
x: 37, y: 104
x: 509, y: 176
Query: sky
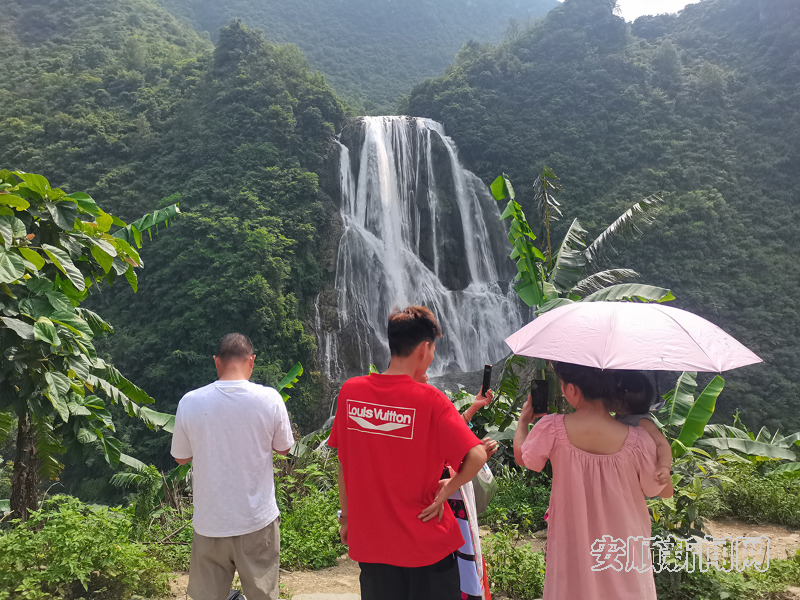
x: 631, y: 9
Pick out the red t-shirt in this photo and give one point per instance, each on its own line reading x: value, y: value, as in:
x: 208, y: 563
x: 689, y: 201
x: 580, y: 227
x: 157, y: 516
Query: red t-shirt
x: 394, y: 436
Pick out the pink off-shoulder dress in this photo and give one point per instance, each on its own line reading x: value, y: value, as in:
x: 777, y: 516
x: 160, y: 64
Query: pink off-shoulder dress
x: 597, y: 524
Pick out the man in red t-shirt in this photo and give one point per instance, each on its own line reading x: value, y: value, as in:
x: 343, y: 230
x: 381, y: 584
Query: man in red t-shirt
x: 394, y: 435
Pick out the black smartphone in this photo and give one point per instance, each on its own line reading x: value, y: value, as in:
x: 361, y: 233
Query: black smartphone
x: 539, y: 396
x: 487, y: 379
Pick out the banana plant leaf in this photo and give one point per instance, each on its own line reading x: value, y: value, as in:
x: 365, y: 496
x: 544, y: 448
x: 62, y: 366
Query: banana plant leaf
x: 699, y: 413
x: 289, y: 380
x: 679, y: 401
x: 750, y: 447
x: 631, y: 292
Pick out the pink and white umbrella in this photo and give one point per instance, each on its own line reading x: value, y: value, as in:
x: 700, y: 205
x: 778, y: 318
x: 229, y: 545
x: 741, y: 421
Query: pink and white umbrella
x: 629, y: 335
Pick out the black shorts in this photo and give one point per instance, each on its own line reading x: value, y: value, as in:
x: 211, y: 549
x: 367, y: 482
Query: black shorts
x: 438, y: 581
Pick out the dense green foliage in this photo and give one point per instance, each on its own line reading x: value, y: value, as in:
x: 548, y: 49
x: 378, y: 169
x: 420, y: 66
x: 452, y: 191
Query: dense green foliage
x: 514, y: 568
x: 698, y: 106
x: 750, y: 496
x: 121, y: 100
x: 56, y: 247
x: 68, y: 550
x: 520, y: 502
x: 372, y: 51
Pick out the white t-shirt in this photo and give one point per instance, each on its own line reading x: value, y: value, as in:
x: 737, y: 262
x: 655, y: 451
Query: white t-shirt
x: 229, y: 430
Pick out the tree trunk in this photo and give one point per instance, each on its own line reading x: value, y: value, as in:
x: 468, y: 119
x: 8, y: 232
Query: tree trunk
x: 25, y: 480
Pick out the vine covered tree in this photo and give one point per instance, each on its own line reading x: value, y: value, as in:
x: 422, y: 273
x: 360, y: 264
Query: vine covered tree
x: 55, y: 247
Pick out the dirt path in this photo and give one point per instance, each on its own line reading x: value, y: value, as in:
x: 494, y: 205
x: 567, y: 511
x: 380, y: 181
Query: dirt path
x: 343, y: 578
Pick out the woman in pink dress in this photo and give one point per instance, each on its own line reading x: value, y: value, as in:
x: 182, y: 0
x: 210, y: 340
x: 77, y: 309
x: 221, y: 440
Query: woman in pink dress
x: 598, y: 526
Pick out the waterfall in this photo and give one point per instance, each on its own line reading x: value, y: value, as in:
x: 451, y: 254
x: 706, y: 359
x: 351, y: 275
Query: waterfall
x: 418, y: 228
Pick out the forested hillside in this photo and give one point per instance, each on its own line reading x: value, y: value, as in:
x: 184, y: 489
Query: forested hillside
x: 701, y: 107
x: 372, y: 51
x: 118, y: 99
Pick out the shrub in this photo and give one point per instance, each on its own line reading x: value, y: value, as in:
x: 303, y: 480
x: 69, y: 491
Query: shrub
x: 521, y: 501
x: 68, y: 550
x: 756, y: 498
x: 716, y: 585
x: 310, y: 532
x: 514, y: 568
x: 169, y: 537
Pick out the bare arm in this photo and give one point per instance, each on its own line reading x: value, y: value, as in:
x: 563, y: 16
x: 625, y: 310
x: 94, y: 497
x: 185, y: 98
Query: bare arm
x: 283, y: 452
x: 663, y: 449
x: 183, y: 461
x: 481, y: 400
x: 663, y: 456
x: 472, y: 463
x: 526, y: 417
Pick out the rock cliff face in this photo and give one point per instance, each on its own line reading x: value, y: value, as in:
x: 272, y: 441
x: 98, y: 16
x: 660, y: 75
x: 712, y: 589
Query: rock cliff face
x: 417, y: 228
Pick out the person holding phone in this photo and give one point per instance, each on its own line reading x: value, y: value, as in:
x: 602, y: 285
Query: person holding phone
x: 394, y: 435
x: 602, y: 473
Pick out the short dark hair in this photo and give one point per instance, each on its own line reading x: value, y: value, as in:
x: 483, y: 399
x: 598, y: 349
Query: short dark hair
x: 633, y: 391
x: 409, y: 327
x: 235, y: 346
x: 594, y: 383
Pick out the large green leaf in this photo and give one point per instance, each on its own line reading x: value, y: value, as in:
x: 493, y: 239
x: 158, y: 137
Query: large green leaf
x: 700, y: 413
x: 157, y: 420
x: 35, y: 183
x: 289, y: 380
x: 112, y: 450
x: 22, y: 328
x: 63, y: 214
x: 95, y: 321
x: 626, y: 225
x: 719, y: 430
x: 14, y: 201
x: 792, y: 469
x: 48, y: 448
x: 501, y: 188
x: 84, y: 202
x: 74, y: 323
x: 570, y: 261
x: 146, y: 223
x: 33, y: 257
x: 103, y: 258
x: 45, y: 331
x: 750, y: 447
x: 11, y: 228
x: 632, y: 292
x: 12, y: 265
x: 679, y: 400
x: 64, y: 263
x: 598, y: 281
x: 58, y: 387
x: 132, y: 462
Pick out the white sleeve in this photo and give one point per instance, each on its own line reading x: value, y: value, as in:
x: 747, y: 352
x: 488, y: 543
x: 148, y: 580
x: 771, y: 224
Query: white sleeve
x: 282, y: 437
x: 181, y: 446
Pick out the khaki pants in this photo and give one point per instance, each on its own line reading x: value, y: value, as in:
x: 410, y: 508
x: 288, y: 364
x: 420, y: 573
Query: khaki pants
x: 254, y: 555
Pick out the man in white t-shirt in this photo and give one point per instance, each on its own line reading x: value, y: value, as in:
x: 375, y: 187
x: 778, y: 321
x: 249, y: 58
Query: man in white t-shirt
x: 229, y: 429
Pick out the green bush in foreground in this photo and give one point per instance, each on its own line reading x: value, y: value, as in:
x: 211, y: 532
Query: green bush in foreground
x: 68, y: 550
x: 514, y: 568
x: 310, y: 532
x: 520, y: 501
x: 756, y: 498
x: 717, y: 585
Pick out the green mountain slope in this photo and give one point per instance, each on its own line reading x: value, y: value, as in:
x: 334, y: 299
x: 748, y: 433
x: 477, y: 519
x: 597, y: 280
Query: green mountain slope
x: 122, y: 101
x: 372, y: 51
x: 700, y: 106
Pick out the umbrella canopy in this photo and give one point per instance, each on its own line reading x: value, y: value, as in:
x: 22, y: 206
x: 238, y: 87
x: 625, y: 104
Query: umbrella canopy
x: 628, y: 335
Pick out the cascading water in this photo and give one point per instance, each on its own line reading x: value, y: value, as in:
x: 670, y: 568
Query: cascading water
x: 417, y: 229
